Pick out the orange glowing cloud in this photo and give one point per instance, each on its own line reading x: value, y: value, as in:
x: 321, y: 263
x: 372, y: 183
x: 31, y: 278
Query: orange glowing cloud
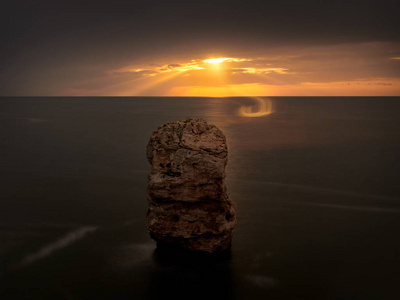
x: 336, y: 70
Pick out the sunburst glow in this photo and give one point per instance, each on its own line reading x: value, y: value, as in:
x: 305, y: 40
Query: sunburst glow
x: 278, y: 75
x: 216, y: 60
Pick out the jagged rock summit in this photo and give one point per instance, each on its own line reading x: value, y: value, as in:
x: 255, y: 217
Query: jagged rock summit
x: 188, y: 203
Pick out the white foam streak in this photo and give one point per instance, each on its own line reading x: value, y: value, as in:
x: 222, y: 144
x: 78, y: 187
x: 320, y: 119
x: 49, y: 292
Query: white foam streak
x: 262, y: 281
x: 63, y: 242
x: 319, y: 190
x: 359, y: 208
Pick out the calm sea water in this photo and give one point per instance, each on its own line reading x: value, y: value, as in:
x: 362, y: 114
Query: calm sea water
x: 316, y: 185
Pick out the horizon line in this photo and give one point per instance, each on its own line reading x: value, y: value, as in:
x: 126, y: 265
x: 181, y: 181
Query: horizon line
x: 18, y: 96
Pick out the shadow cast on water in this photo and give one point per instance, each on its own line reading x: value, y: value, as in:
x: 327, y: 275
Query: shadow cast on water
x: 182, y: 274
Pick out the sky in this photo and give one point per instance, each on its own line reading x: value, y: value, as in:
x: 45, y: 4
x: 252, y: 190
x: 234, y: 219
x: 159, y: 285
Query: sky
x: 200, y: 48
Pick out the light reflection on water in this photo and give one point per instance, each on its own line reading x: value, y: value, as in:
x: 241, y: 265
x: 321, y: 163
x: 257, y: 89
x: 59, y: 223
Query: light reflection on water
x: 263, y: 107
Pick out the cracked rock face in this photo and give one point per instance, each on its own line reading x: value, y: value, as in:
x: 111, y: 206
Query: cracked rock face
x: 188, y: 204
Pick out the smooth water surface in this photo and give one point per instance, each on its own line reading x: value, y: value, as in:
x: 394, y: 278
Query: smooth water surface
x: 316, y: 184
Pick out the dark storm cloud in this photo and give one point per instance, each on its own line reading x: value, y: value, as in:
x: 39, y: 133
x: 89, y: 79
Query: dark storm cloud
x: 139, y: 22
x: 363, y: 17
x: 47, y: 39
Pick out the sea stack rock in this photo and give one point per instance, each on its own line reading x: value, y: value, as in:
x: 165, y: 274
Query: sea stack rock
x: 188, y: 203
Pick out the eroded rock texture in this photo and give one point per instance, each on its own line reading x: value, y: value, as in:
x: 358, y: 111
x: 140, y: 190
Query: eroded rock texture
x: 188, y: 204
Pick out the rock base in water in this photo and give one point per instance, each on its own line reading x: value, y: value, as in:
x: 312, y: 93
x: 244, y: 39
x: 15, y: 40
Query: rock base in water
x: 188, y: 204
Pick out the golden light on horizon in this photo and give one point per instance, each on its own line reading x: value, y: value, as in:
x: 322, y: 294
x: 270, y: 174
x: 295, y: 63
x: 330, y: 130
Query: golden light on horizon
x: 228, y: 90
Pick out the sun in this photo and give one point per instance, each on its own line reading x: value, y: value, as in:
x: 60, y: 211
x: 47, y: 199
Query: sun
x: 215, y: 60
